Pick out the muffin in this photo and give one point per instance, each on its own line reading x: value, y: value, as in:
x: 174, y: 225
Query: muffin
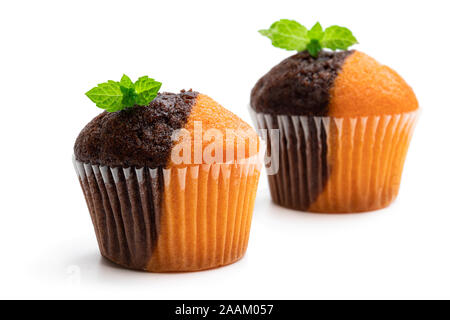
x: 152, y: 212
x: 345, y: 122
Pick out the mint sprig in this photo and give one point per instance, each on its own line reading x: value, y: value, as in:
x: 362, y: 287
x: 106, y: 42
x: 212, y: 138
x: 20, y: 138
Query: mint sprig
x: 291, y: 35
x: 115, y: 96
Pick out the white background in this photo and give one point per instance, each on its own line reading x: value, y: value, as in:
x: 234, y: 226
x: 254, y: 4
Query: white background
x: 51, y: 52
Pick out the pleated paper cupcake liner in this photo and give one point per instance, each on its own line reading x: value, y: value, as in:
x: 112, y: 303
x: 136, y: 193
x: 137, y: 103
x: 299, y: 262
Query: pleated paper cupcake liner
x: 167, y: 220
x: 336, y: 165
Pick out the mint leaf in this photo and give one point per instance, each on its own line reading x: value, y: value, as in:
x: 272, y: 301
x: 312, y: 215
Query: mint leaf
x: 107, y: 96
x: 129, y: 97
x: 314, y: 48
x: 146, y: 90
x: 287, y: 34
x: 291, y: 35
x: 336, y: 37
x: 126, y: 82
x: 115, y: 96
x: 129, y: 94
x: 316, y: 32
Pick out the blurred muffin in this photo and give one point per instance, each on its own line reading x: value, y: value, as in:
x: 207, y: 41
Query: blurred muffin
x: 345, y: 125
x: 152, y: 212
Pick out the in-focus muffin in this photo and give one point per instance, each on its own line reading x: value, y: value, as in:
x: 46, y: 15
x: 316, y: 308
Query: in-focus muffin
x: 345, y: 125
x: 152, y: 212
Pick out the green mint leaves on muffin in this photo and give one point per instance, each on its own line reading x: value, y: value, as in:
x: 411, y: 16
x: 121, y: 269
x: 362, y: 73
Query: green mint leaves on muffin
x: 291, y: 35
x: 115, y: 96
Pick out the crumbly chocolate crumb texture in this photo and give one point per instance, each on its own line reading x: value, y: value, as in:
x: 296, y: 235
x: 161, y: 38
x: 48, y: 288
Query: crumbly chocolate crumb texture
x: 299, y: 85
x: 136, y: 137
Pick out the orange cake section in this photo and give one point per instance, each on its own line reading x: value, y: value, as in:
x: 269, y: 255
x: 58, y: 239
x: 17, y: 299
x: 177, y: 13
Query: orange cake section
x: 242, y: 141
x: 365, y: 87
x: 372, y: 112
x: 366, y: 158
x: 207, y: 213
x: 207, y: 208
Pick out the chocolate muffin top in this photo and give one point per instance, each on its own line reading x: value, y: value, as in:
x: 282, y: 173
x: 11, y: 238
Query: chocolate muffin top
x: 299, y: 85
x: 135, y: 137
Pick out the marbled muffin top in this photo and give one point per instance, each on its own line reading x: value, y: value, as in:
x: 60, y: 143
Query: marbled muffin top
x: 344, y: 83
x: 299, y: 85
x: 139, y: 136
x: 144, y: 136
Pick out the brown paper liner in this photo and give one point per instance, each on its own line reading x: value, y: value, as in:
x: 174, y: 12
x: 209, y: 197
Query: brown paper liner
x: 167, y: 220
x: 338, y: 165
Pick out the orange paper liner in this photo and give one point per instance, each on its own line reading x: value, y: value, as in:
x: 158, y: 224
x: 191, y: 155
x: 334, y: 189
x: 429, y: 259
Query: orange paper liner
x: 338, y: 165
x: 171, y: 220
